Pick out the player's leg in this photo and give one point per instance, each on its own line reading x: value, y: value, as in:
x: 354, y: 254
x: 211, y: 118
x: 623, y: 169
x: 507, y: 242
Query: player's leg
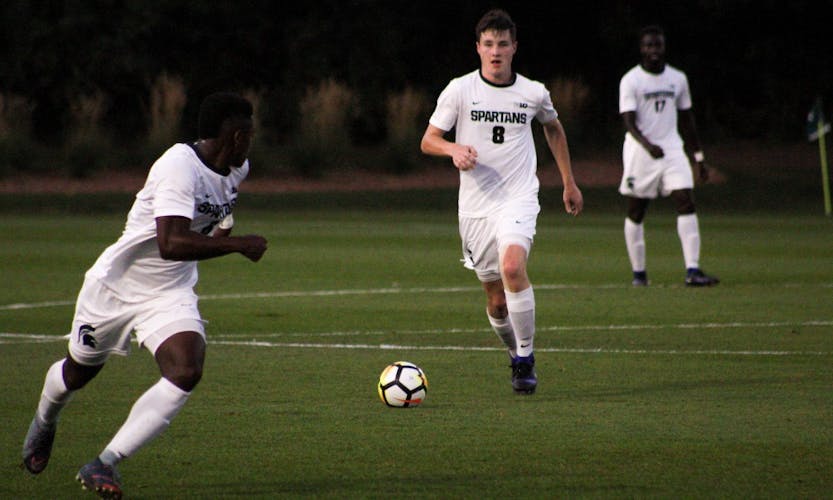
x: 498, y: 315
x: 514, y: 234
x: 688, y: 229
x: 635, y: 239
x: 641, y: 181
x: 98, y: 330
x: 520, y: 304
x: 480, y: 255
x: 180, y: 358
x: 62, y: 379
x: 171, y: 329
x: 520, y: 298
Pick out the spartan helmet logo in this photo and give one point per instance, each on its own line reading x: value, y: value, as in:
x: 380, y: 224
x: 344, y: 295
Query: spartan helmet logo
x: 85, y: 335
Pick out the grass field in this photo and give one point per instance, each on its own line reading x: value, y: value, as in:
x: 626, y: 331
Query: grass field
x: 657, y: 392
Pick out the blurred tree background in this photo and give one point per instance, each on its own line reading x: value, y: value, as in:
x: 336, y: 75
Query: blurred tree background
x: 94, y: 83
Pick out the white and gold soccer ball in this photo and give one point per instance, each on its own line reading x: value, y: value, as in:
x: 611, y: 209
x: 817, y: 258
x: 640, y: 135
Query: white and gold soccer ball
x: 402, y: 385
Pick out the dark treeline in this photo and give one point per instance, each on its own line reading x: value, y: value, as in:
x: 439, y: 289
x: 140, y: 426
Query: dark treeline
x: 755, y: 65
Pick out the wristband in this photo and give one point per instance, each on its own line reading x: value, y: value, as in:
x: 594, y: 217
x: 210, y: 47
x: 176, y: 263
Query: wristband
x: 227, y: 222
x: 699, y: 157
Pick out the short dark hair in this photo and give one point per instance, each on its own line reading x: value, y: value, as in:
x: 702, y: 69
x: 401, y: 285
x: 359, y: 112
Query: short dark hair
x: 653, y: 29
x: 495, y: 20
x: 217, y: 109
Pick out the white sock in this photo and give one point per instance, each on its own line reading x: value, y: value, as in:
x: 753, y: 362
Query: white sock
x: 55, y: 394
x: 151, y: 414
x: 689, y: 231
x: 503, y: 329
x: 521, y: 307
x: 635, y: 241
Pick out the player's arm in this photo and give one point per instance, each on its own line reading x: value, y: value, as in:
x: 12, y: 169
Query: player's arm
x: 557, y: 142
x: 177, y: 242
x: 435, y: 144
x: 688, y: 129
x: 629, y: 119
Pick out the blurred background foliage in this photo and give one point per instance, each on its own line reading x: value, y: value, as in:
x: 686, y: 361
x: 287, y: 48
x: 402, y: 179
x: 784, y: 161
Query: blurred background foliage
x: 92, y: 83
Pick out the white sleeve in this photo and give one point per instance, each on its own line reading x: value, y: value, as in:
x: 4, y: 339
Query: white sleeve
x: 684, y: 98
x: 627, y: 95
x: 547, y: 111
x: 448, y: 106
x: 174, y: 189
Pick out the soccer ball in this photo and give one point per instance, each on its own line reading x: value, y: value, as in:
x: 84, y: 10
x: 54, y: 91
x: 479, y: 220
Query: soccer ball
x: 402, y: 385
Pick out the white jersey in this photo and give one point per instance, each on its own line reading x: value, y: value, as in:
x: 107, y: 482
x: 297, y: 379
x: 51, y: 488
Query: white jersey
x: 497, y: 121
x: 655, y: 98
x: 178, y: 184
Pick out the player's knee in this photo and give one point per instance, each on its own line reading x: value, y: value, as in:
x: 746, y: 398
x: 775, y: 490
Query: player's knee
x: 637, y: 218
x: 513, y: 270
x: 185, y: 377
x: 77, y: 375
x: 498, y: 309
x: 684, y: 201
x: 637, y: 210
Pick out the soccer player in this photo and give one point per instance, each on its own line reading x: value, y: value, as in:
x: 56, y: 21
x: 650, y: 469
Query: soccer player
x: 651, y: 97
x: 492, y: 109
x: 143, y: 283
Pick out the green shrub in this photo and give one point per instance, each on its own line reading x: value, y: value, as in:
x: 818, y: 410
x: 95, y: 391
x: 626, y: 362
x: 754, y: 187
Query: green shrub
x: 323, y: 141
x: 405, y: 122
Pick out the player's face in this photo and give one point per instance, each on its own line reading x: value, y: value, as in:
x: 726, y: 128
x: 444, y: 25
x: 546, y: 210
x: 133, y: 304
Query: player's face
x: 242, y: 143
x: 496, y: 49
x: 652, y: 49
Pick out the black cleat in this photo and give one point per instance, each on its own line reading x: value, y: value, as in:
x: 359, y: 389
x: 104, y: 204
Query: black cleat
x: 100, y: 478
x: 697, y: 277
x: 524, y: 380
x: 38, y: 445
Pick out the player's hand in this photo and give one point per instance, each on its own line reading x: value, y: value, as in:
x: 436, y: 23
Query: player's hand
x: 573, y: 200
x: 464, y: 157
x: 252, y: 246
x: 655, y: 151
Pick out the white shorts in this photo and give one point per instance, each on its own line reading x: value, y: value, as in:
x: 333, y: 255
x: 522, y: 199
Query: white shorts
x: 485, y: 238
x: 646, y: 177
x: 103, y: 322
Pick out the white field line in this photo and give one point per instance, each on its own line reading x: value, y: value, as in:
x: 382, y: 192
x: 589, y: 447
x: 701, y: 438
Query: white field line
x: 227, y: 340
x: 398, y: 347
x: 376, y: 291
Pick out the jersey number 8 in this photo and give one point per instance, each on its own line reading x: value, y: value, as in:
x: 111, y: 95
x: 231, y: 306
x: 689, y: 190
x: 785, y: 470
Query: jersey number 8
x: 497, y: 134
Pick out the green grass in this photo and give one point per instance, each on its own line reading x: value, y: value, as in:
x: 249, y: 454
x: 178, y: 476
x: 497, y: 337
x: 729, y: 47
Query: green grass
x: 657, y: 392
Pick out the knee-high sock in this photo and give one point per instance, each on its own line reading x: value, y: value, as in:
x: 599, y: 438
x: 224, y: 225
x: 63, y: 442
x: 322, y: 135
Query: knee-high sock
x: 521, y: 306
x: 689, y: 231
x: 151, y: 414
x: 55, y: 394
x: 635, y: 242
x: 503, y: 329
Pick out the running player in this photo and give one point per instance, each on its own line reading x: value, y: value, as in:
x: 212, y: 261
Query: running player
x: 143, y: 283
x: 492, y: 110
x: 651, y: 96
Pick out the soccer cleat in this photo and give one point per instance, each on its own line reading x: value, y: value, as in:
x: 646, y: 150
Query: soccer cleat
x: 640, y: 278
x: 100, y: 478
x: 524, y: 380
x: 696, y: 277
x: 38, y: 445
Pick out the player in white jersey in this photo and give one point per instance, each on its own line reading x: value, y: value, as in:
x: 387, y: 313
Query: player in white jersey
x: 492, y: 110
x: 651, y: 97
x: 143, y: 284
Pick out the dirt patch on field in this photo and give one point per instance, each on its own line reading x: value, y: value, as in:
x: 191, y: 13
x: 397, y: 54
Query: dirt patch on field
x: 588, y: 173
x: 772, y: 161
